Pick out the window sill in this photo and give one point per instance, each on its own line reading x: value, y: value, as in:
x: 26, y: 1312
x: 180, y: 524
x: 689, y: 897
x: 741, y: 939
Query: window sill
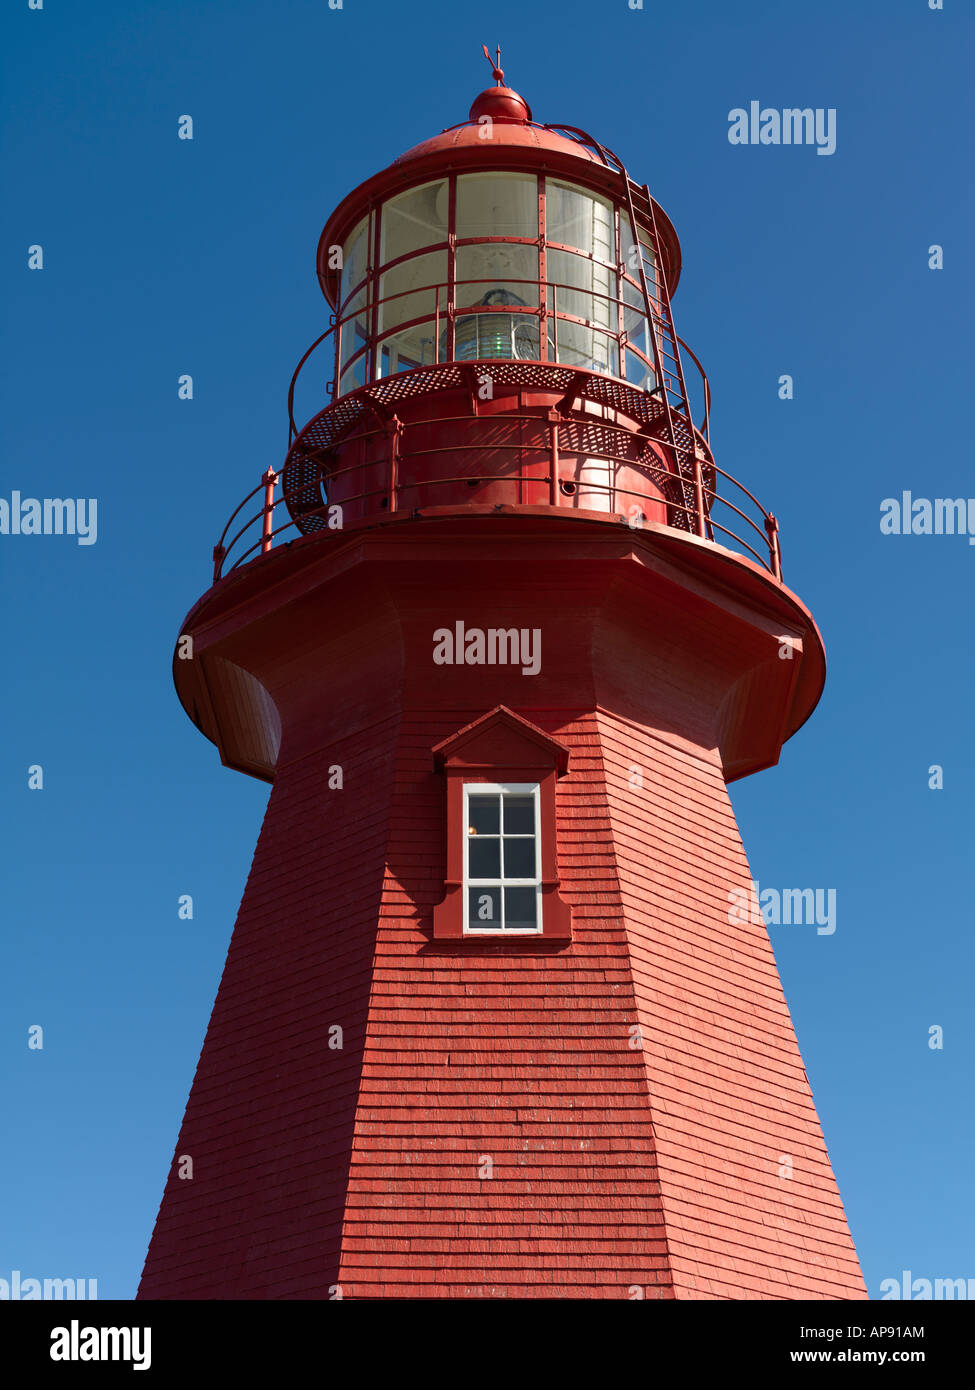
x: 556, y: 922
x: 499, y: 943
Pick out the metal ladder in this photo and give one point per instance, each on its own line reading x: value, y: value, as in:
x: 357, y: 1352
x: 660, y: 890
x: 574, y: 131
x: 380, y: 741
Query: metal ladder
x: 676, y: 427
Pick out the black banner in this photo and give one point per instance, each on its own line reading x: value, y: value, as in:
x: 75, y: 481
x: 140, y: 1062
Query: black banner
x: 169, y: 1340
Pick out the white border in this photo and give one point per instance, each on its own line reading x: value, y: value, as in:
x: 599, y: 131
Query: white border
x: 509, y: 788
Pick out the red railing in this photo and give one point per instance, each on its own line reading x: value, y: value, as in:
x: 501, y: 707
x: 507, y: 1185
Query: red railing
x: 701, y: 504
x: 547, y: 320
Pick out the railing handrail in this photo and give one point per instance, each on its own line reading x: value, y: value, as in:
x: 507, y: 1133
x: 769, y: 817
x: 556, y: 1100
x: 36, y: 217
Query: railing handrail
x: 700, y: 517
x: 705, y: 428
x: 538, y: 311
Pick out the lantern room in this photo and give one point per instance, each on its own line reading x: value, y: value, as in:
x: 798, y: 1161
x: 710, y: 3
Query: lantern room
x: 493, y: 264
x: 500, y: 239
x: 501, y: 335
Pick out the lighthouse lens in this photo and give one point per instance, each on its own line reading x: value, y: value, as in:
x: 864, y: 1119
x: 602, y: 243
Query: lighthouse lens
x: 488, y: 335
x: 479, y: 336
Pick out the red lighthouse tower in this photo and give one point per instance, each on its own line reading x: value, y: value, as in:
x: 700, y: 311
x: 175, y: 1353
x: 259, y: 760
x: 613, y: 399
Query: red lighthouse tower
x: 488, y: 1026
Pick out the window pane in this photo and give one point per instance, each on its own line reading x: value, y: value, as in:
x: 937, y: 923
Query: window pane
x: 519, y: 815
x: 575, y: 217
x: 354, y: 336
x: 399, y: 352
x: 638, y: 373
x: 629, y: 251
x: 519, y: 858
x: 497, y: 205
x: 520, y: 908
x: 484, y: 908
x: 633, y: 252
x: 634, y: 317
x: 483, y: 815
x: 355, y: 257
x: 414, y: 219
x: 484, y: 856
x: 409, y: 292
x: 493, y: 275
x: 583, y: 288
x: 587, y: 347
x: 484, y: 269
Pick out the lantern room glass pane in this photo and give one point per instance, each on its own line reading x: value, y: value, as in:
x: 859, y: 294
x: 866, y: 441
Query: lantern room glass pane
x: 409, y: 291
x: 354, y: 336
x: 354, y: 333
x: 494, y: 275
x: 579, y: 346
x: 638, y: 373
x: 635, y: 319
x: 575, y: 217
x: 355, y: 310
x: 415, y: 219
x: 497, y: 205
x: 583, y: 288
x: 634, y: 253
x: 355, y: 258
x: 493, y: 266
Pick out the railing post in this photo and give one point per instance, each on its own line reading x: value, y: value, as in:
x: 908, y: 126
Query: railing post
x: 394, y: 430
x: 702, y: 529
x: 553, y: 482
x: 219, y: 554
x: 775, y: 554
x: 269, y: 480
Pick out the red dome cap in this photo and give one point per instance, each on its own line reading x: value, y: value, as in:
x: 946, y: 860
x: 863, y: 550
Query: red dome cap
x: 501, y: 104
x: 515, y: 143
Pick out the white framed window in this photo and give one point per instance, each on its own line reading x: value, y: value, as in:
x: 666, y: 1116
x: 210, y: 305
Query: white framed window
x: 502, y: 858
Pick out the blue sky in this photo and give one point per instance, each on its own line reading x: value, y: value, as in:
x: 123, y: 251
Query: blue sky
x: 165, y: 256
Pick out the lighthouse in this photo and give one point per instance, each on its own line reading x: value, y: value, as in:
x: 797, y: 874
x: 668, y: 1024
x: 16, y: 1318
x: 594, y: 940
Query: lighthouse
x: 498, y: 631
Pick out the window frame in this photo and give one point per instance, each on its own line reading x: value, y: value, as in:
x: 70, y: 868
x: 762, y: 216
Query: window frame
x: 500, y: 749
x: 502, y: 789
